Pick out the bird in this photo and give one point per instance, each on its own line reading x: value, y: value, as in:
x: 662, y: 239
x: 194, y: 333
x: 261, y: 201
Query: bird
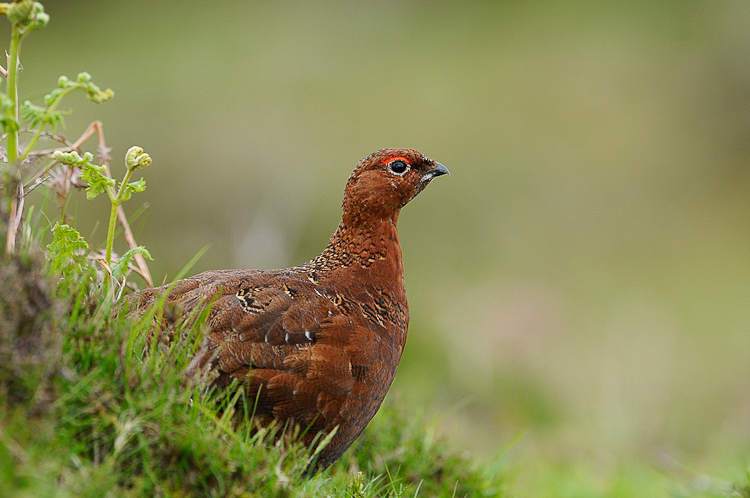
x: 317, y: 345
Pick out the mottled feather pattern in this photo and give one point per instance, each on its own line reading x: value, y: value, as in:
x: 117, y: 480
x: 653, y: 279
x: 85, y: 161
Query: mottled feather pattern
x: 318, y: 344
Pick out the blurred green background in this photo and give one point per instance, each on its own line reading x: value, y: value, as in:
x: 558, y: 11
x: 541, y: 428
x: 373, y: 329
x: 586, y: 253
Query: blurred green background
x: 582, y: 277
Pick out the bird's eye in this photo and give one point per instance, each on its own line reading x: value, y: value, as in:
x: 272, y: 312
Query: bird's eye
x: 398, y: 167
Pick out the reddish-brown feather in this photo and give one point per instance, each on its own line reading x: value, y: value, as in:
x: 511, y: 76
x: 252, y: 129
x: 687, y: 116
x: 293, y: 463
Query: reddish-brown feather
x: 318, y: 344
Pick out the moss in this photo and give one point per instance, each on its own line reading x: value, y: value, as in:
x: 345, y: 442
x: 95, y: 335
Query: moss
x: 31, y: 341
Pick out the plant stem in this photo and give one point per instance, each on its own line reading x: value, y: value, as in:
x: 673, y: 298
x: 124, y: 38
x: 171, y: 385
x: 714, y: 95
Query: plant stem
x: 12, y: 111
x: 115, y: 200
x: 111, y: 232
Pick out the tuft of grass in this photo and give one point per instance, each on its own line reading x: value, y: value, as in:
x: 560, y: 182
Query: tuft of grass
x: 400, y: 454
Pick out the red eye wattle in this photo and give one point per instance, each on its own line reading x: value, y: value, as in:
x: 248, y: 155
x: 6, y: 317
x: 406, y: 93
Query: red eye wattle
x: 396, y: 158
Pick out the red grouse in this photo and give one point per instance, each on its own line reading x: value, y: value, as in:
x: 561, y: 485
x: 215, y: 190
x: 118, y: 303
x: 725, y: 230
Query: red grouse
x: 317, y: 345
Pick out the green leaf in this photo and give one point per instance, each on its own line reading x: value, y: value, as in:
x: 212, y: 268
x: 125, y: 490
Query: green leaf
x: 83, y: 82
x: 19, y: 11
x: 72, y: 158
x: 94, y: 93
x: 95, y: 176
x: 67, y: 251
x: 29, y: 15
x: 9, y: 124
x: 54, y: 95
x: 132, y: 187
x: 34, y: 115
x: 121, y: 267
x: 135, y: 158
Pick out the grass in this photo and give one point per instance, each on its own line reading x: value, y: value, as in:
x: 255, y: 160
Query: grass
x: 94, y: 405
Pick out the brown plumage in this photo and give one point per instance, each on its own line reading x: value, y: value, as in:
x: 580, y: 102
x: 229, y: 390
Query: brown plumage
x: 318, y: 344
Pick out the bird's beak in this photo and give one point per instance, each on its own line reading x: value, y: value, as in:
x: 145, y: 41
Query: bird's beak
x: 438, y: 170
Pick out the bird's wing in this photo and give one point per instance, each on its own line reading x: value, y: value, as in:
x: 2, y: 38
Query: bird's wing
x: 280, y: 335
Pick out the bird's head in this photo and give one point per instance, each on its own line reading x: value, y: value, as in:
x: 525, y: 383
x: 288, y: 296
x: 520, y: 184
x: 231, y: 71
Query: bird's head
x: 383, y: 182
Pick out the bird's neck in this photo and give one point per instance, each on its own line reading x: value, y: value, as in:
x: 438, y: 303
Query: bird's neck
x: 362, y: 245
